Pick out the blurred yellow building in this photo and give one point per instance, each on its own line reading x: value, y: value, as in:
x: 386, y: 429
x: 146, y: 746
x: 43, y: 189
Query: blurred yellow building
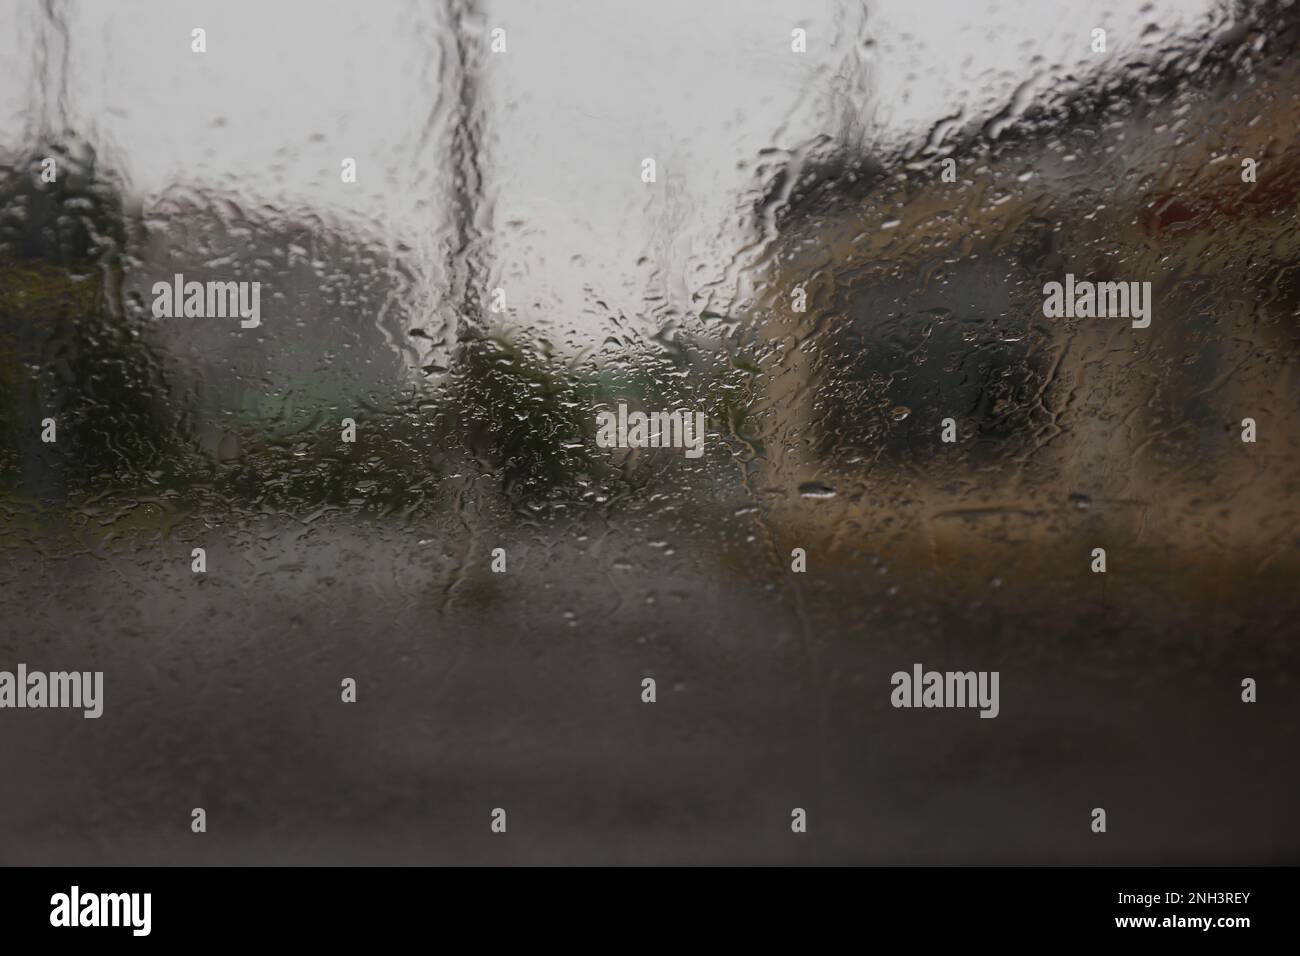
x: 924, y: 302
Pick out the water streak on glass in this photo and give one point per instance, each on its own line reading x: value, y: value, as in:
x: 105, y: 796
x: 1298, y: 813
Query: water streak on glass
x: 476, y: 428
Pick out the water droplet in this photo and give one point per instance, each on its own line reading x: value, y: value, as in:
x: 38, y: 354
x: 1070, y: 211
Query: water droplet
x: 816, y: 489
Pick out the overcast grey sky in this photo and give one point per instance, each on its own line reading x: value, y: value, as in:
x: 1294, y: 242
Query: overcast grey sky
x: 586, y: 90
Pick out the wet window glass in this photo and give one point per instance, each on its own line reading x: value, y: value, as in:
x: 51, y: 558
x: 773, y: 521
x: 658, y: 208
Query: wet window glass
x: 612, y: 414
